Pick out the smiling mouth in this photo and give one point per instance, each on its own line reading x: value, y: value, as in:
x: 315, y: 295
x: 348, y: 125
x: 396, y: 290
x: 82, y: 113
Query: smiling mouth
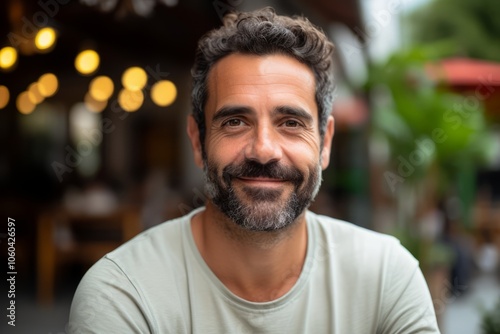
x: 262, y: 181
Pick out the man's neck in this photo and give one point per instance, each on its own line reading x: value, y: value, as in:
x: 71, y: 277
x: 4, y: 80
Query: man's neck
x: 256, y: 266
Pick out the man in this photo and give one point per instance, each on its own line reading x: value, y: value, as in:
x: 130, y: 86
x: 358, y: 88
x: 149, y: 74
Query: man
x: 254, y: 260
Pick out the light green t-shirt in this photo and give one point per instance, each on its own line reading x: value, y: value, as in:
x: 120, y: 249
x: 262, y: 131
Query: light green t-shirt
x: 354, y: 281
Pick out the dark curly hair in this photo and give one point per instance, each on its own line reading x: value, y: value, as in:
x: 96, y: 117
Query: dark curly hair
x: 263, y: 32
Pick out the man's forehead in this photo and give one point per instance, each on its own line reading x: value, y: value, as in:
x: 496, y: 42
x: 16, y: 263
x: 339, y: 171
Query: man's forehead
x: 260, y: 67
x: 243, y: 77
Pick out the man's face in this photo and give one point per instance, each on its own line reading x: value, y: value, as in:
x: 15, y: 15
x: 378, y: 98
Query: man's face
x: 263, y: 157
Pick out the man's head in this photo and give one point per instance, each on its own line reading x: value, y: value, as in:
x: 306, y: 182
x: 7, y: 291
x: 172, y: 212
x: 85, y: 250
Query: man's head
x: 261, y: 33
x: 261, y: 126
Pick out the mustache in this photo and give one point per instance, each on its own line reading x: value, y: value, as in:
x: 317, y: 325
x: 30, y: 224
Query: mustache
x: 253, y: 169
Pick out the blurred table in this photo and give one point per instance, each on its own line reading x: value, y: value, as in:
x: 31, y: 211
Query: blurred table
x: 67, y: 237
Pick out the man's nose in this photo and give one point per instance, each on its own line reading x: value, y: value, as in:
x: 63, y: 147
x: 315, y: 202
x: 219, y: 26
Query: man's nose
x: 264, y: 147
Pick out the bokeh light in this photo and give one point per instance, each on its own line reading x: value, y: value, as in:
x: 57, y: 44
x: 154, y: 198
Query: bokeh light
x: 101, y: 88
x: 45, y: 39
x: 24, y: 104
x: 163, y: 93
x: 34, y: 93
x: 130, y: 100
x: 134, y: 78
x: 8, y: 57
x: 87, y: 62
x: 4, y: 96
x: 94, y: 105
x: 48, y: 84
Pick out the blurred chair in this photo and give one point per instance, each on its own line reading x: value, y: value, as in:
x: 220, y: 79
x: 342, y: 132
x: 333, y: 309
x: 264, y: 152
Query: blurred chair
x: 65, y: 237
x: 487, y: 232
x: 487, y: 220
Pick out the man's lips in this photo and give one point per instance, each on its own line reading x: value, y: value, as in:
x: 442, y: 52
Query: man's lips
x: 262, y: 181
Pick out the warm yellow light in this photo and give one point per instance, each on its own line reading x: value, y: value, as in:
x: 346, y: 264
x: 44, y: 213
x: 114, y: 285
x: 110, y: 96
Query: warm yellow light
x: 48, y: 84
x: 45, y: 39
x: 87, y: 62
x: 4, y: 96
x: 8, y: 57
x: 101, y: 88
x: 130, y: 100
x: 93, y: 105
x: 24, y: 105
x: 134, y: 78
x: 34, y: 94
x: 163, y: 93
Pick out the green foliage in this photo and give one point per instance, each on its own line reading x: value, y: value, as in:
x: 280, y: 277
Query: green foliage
x: 471, y: 26
x: 414, y: 114
x: 428, y: 129
x: 490, y: 323
x: 429, y: 254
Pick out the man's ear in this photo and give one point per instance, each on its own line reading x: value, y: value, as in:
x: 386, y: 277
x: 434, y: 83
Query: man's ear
x: 327, y: 142
x: 194, y: 136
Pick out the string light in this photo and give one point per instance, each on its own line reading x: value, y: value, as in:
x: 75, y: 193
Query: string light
x: 134, y: 78
x: 48, y: 84
x: 4, y: 96
x: 130, y: 100
x: 45, y: 39
x: 34, y: 93
x: 101, y: 88
x: 87, y: 62
x: 163, y: 93
x: 8, y: 57
x: 24, y: 104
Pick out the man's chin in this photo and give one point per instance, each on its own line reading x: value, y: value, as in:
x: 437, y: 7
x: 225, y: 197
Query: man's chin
x: 256, y: 195
x: 262, y: 214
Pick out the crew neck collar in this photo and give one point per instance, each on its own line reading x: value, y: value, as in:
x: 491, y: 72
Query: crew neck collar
x: 238, y: 301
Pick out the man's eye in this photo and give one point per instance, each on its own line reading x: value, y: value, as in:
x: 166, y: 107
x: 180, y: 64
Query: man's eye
x: 233, y: 122
x: 291, y: 124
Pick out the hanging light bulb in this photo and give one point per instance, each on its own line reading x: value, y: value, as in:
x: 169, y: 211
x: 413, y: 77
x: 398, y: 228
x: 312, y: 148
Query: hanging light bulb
x: 34, y: 93
x: 101, y: 88
x: 134, y: 78
x: 87, y: 62
x: 130, y: 100
x: 48, y: 84
x: 8, y: 57
x: 45, y: 39
x: 4, y: 96
x: 24, y: 104
x: 163, y: 93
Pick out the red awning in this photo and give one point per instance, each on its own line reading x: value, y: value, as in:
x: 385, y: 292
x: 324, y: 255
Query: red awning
x: 465, y: 72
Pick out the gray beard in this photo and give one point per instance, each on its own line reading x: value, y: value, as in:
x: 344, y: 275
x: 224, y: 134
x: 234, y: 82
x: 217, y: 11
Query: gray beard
x: 266, y: 210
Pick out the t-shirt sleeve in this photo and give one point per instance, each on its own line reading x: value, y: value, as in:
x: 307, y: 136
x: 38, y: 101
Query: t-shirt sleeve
x: 407, y: 305
x: 107, y: 302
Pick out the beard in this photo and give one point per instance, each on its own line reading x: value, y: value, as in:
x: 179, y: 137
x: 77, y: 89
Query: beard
x: 260, y: 208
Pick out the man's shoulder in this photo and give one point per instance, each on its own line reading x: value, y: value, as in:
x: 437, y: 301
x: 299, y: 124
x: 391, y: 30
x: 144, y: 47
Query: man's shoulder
x: 132, y: 279
x: 342, y: 230
x: 377, y: 276
x: 165, y: 235
x: 161, y: 245
x: 347, y: 242
x: 150, y: 267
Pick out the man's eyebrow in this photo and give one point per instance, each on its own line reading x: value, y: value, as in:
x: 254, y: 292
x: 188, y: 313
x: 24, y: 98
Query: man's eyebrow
x: 231, y: 111
x: 294, y: 111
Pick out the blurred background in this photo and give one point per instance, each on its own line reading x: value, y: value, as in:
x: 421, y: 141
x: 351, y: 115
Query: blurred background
x: 94, y: 96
